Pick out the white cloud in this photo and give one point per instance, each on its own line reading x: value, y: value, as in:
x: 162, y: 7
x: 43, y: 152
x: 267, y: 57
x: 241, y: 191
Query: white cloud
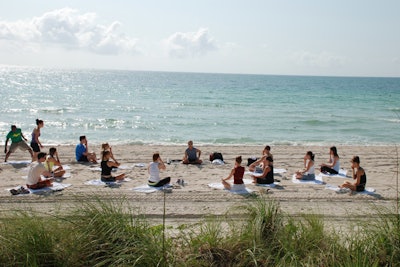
x: 319, y: 60
x: 190, y: 44
x: 68, y: 28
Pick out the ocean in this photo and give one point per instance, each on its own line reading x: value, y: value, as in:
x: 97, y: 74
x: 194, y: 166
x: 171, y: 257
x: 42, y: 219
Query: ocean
x: 138, y: 107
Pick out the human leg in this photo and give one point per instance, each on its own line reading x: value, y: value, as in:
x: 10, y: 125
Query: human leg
x: 92, y: 157
x: 226, y: 184
x: 162, y: 182
x: 120, y: 177
x: 59, y: 172
x: 41, y: 184
x: 326, y: 169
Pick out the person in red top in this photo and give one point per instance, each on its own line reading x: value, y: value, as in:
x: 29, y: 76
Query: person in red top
x: 237, y: 173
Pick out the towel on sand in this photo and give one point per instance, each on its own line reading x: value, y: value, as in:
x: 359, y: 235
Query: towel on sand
x: 238, y: 190
x: 342, y: 174
x: 66, y: 175
x: 98, y: 182
x: 145, y: 188
x: 121, y: 167
x: 56, y: 187
x: 318, y: 180
x: 276, y: 171
x: 337, y: 189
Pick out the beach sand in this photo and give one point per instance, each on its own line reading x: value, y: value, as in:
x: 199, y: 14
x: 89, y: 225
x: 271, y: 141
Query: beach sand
x: 196, y: 200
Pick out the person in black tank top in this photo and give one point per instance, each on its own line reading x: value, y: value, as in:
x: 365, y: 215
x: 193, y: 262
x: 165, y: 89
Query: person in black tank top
x: 358, y: 175
x: 267, y: 176
x: 106, y: 167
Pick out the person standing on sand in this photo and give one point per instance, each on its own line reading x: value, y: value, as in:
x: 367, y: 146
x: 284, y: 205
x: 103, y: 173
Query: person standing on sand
x: 358, y: 175
x: 17, y: 141
x: 35, y: 143
x: 333, y: 165
x: 36, y: 169
x: 154, y: 171
x: 192, y: 155
x: 237, y: 173
x: 81, y: 151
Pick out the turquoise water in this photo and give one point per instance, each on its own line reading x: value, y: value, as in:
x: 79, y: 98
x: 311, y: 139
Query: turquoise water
x: 128, y: 107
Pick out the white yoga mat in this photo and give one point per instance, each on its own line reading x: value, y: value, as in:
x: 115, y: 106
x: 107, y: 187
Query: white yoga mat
x: 367, y: 191
x: 267, y: 185
x: 342, y: 174
x: 248, y: 181
x: 99, y: 182
x: 17, y: 162
x: 145, y: 188
x: 318, y: 180
x: 56, y: 187
x: 257, y: 174
x: 140, y: 165
x: 221, y: 187
x: 66, y: 175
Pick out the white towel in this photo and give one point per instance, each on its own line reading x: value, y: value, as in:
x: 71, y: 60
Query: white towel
x: 145, y: 188
x: 17, y: 162
x: 342, y: 174
x: 337, y: 189
x: 318, y: 180
x: 276, y: 171
x: 56, y: 187
x: 66, y: 175
x: 99, y: 182
x: 239, y: 191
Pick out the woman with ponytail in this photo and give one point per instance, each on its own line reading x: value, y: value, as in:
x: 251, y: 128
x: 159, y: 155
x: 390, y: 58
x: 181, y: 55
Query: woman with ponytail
x: 308, y: 173
x: 35, y: 143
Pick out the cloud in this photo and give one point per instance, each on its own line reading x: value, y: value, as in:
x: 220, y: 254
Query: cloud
x: 69, y: 29
x: 190, y: 44
x: 319, y: 60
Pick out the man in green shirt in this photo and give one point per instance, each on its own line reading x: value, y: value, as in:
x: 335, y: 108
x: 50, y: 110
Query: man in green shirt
x: 17, y: 141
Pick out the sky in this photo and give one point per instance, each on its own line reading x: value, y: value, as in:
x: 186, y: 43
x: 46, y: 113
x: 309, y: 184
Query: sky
x: 281, y: 37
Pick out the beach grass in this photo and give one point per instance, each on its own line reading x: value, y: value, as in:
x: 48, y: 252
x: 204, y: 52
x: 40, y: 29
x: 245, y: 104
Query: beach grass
x: 109, y: 233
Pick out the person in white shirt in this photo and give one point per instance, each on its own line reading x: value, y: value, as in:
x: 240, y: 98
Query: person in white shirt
x: 36, y: 169
x: 308, y: 173
x: 154, y: 172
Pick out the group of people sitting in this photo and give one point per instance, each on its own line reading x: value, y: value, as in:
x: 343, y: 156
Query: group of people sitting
x: 262, y: 169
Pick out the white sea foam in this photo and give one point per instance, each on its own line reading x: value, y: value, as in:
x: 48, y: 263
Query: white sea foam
x: 127, y: 107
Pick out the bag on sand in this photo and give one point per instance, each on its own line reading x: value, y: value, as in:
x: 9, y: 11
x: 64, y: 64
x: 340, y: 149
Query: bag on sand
x: 216, y: 155
x: 251, y: 160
